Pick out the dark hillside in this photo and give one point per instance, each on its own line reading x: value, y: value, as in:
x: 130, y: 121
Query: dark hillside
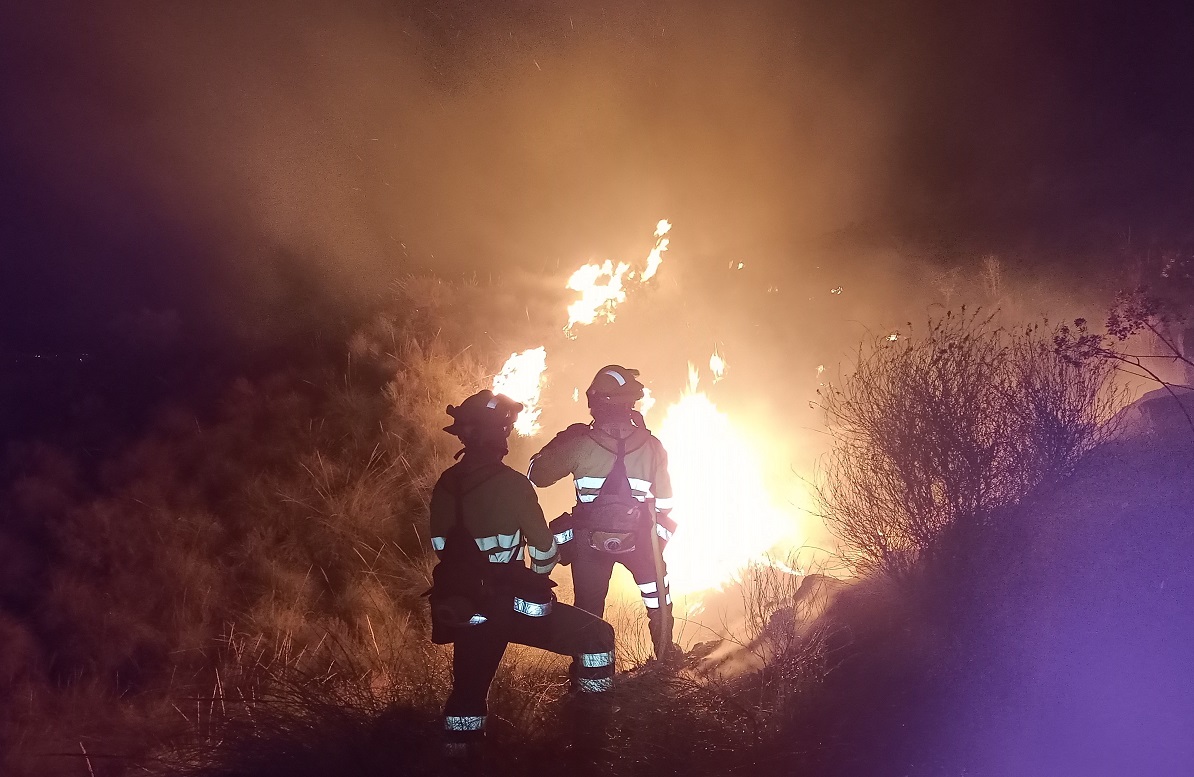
x: 1089, y: 620
x: 1061, y: 646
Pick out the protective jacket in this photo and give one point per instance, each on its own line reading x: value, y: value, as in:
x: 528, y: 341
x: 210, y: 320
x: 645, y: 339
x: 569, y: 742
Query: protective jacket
x: 587, y: 453
x: 500, y: 511
x: 493, y: 510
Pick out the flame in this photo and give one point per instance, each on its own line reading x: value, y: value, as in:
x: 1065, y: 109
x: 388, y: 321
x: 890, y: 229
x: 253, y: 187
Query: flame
x: 602, y: 287
x: 717, y: 365
x: 521, y: 379
x: 655, y: 258
x: 647, y: 402
x: 723, y: 506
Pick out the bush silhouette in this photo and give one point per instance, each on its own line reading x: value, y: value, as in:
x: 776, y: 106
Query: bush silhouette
x: 936, y: 431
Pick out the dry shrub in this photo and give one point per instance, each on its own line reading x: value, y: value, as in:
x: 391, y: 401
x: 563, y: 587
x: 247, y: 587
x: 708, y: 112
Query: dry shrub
x: 293, y: 511
x: 341, y: 705
x: 935, y: 432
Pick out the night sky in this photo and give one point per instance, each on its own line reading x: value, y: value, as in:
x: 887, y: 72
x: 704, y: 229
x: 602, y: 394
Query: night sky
x: 200, y: 169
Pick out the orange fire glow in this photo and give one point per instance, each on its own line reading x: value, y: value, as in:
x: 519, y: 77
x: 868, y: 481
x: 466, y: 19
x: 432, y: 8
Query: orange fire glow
x: 726, y: 514
x: 521, y: 379
x: 728, y: 518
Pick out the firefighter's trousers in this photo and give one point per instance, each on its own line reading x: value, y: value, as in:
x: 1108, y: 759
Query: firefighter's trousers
x: 478, y: 651
x: 591, y: 572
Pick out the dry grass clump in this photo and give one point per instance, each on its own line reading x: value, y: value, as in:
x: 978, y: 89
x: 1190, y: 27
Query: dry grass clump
x: 291, y: 513
x: 362, y: 715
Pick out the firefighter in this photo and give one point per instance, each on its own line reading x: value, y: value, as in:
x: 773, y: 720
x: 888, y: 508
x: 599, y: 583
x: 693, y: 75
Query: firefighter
x: 620, y: 473
x: 485, y: 518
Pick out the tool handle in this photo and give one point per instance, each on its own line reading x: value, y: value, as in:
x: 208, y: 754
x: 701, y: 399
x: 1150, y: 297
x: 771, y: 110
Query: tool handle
x: 664, y: 636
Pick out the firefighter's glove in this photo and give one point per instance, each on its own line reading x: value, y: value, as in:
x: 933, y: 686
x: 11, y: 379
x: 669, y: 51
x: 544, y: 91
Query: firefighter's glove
x: 562, y: 529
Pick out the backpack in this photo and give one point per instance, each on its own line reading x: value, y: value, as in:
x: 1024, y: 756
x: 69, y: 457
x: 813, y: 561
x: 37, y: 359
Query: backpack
x: 465, y: 583
x: 614, y: 519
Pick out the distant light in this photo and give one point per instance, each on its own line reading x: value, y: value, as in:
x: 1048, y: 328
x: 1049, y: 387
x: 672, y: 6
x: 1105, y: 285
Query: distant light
x: 837, y: 290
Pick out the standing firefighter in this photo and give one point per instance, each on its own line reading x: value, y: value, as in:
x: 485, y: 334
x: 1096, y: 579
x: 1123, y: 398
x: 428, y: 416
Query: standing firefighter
x: 484, y: 596
x: 624, y: 500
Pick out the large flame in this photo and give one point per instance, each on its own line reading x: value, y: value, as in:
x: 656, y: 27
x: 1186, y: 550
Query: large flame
x: 602, y: 287
x: 521, y: 379
x: 726, y: 515
x: 723, y: 505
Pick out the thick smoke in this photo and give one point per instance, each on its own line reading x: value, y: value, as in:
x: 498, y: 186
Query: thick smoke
x: 263, y: 167
x: 205, y: 156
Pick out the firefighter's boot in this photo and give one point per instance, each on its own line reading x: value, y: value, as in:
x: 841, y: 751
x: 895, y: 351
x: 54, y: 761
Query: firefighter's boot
x: 464, y: 737
x: 591, y: 719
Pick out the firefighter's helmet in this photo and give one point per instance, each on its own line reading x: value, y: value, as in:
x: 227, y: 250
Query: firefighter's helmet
x: 484, y: 411
x: 615, y: 385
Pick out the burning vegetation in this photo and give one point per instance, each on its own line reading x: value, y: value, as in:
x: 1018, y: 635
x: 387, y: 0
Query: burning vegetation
x: 260, y: 566
x: 731, y: 518
x: 294, y: 239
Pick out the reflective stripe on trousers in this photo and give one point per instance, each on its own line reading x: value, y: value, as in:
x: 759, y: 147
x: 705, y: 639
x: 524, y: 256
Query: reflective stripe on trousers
x: 464, y: 722
x: 595, y: 660
x: 650, y: 593
x: 533, y: 609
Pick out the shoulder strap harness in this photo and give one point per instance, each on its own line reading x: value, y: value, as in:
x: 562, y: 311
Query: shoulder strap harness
x: 457, y: 537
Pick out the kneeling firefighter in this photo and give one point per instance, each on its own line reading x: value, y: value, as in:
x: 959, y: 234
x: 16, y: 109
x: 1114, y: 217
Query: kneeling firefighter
x: 624, y: 500
x: 484, y: 596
